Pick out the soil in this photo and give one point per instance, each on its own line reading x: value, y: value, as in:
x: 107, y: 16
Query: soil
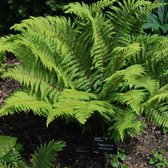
x: 31, y: 130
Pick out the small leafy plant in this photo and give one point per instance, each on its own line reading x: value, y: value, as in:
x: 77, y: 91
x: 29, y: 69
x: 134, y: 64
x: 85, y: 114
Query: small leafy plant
x: 165, y: 131
x: 43, y: 157
x: 117, y: 160
x: 158, y: 22
x: 158, y: 159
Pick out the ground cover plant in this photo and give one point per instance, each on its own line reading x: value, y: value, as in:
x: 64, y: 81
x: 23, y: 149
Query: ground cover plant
x: 158, y: 159
x: 73, y: 68
x: 117, y: 159
x: 44, y: 156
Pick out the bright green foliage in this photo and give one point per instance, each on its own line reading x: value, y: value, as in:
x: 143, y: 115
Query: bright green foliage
x: 99, y: 62
x: 128, y: 17
x: 153, y: 55
x: 2, y: 57
x: 43, y: 157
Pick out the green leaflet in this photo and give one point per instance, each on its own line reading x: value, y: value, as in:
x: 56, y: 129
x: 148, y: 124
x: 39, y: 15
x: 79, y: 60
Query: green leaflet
x: 6, y: 144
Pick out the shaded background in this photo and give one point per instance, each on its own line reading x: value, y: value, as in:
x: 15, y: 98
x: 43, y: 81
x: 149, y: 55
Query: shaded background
x: 13, y: 11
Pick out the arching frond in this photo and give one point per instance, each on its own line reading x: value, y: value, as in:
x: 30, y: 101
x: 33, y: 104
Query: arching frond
x: 153, y: 55
x: 102, y: 34
x: 132, y: 98
x: 39, y: 83
x: 129, y: 16
x: 79, y: 105
x: 61, y: 55
x: 101, y: 50
x: 22, y: 101
x: 121, y: 55
x: 129, y: 75
x: 156, y: 107
x: 126, y: 123
x: 46, y: 154
x: 99, y: 6
x: 157, y: 114
x: 81, y: 10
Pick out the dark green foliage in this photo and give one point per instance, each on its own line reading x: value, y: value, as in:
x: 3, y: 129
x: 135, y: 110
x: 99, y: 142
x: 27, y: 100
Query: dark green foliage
x: 157, y: 22
x: 13, y: 11
x: 118, y: 160
x: 43, y: 157
x: 165, y: 131
x: 91, y: 64
x: 158, y: 159
x: 6, y: 144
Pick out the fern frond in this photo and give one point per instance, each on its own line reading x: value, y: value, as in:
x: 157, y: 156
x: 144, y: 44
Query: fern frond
x: 16, y: 160
x: 81, y: 10
x: 63, y: 57
x: 129, y: 75
x: 5, y: 44
x: 99, y: 6
x: 160, y: 95
x: 22, y: 101
x: 131, y: 15
x: 153, y: 55
x: 157, y: 114
x: 156, y: 108
x: 132, y: 98
x: 126, y: 123
x: 80, y: 106
x: 45, y: 154
x: 77, y: 95
x: 101, y: 50
x: 120, y: 56
x: 147, y: 83
x: 102, y: 34
x: 38, y: 83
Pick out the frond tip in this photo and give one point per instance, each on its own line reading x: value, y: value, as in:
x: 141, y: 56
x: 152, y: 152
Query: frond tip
x: 22, y: 101
x: 45, y: 154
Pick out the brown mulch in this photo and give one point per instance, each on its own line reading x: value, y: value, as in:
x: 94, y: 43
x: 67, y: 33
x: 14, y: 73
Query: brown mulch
x: 7, y: 86
x: 139, y: 149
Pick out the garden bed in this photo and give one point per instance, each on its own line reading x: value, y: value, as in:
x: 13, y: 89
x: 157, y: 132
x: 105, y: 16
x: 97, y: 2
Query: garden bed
x: 31, y: 131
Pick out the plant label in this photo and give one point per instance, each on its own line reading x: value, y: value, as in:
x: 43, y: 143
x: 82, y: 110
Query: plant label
x: 104, y: 145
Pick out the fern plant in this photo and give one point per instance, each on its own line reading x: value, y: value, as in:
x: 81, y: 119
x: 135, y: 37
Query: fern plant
x: 43, y: 157
x: 91, y: 64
